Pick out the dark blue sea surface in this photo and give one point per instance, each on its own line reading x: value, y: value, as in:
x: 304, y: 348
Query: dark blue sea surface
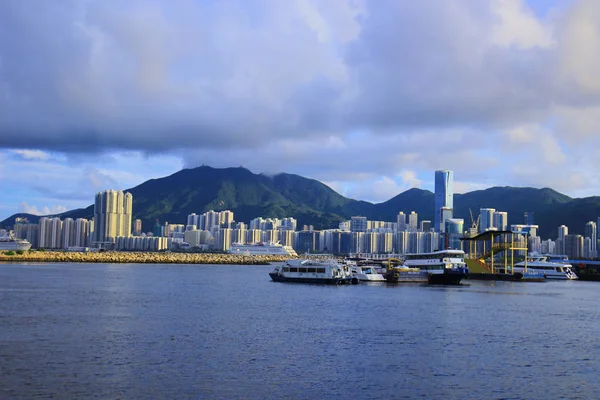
x: 129, y: 331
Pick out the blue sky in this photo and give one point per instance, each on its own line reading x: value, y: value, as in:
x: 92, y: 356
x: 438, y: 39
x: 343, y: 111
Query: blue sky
x: 368, y: 96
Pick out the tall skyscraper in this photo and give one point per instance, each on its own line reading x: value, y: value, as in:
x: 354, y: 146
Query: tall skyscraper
x: 446, y: 213
x: 413, y: 221
x: 590, y: 232
x: 563, y: 232
x: 486, y: 220
x: 401, y: 220
x: 82, y: 232
x: 444, y: 196
x: 68, y: 233
x: 574, y: 246
x: 112, y: 215
x: 500, y: 220
x: 226, y: 218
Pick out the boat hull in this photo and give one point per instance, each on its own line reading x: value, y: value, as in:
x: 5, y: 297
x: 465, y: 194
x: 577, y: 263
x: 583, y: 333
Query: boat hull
x: 370, y: 277
x: 446, y: 278
x: 15, y: 246
x: 323, y: 281
x: 516, y: 277
x: 406, y: 277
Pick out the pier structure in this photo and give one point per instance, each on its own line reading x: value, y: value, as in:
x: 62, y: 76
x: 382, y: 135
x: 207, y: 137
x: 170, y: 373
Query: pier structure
x: 481, y: 251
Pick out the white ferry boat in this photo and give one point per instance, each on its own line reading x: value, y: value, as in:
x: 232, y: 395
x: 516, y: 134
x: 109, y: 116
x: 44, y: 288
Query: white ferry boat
x: 313, y: 271
x: 11, y: 243
x: 369, y: 273
x: 551, y: 270
x: 445, y: 267
x: 254, y: 249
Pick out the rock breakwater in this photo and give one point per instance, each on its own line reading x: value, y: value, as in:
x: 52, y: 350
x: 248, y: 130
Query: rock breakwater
x: 140, y: 257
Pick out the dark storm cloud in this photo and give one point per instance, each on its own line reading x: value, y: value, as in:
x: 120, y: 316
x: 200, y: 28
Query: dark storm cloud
x: 157, y: 76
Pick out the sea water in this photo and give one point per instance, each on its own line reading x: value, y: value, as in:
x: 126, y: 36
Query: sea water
x: 131, y: 331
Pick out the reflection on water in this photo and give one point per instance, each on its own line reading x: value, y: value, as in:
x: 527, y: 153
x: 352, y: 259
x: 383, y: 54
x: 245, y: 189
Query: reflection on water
x: 203, y: 332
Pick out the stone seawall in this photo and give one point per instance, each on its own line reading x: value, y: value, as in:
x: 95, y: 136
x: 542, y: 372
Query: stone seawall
x: 141, y: 257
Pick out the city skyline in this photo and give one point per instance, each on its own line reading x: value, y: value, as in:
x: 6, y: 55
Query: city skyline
x: 112, y: 228
x: 409, y: 202
x: 134, y: 91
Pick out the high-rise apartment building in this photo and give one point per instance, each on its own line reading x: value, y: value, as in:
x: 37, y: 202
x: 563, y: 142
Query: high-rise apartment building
x: 226, y: 218
x: 444, y: 196
x: 563, y: 231
x: 358, y: 224
x: 288, y: 224
x: 486, y: 219
x: 138, y: 227
x: 453, y: 232
x: 81, y: 232
x: 446, y: 213
x: 27, y: 231
x: 500, y: 220
x: 68, y: 233
x: 574, y: 246
x: 224, y: 239
x: 413, y: 221
x: 401, y: 221
x: 590, y: 232
x: 211, y: 220
x: 112, y: 216
x: 50, y: 233
x: 425, y: 226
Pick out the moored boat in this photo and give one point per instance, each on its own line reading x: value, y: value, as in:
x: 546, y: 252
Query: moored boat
x: 313, y: 271
x: 444, y: 267
x: 267, y: 248
x: 551, y: 270
x: 369, y: 273
x: 12, y: 243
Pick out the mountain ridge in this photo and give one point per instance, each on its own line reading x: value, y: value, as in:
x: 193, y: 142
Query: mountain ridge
x: 311, y: 202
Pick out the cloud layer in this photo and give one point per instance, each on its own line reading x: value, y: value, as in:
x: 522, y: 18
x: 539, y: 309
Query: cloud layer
x: 368, y: 95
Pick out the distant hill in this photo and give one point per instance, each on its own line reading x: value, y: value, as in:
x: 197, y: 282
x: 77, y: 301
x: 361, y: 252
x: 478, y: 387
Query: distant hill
x: 311, y: 202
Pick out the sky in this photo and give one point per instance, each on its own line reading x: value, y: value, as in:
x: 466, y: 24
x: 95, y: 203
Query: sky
x: 368, y: 96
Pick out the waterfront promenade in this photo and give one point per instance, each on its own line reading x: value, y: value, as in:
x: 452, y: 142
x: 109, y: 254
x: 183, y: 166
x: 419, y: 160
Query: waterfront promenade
x: 141, y: 257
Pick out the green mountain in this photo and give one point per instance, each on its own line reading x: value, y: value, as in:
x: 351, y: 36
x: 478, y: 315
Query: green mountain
x: 311, y: 202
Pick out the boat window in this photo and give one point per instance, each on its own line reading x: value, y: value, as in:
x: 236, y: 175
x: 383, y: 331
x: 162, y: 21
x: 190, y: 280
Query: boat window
x: 311, y: 270
x: 301, y: 269
x: 293, y: 269
x: 320, y: 270
x: 559, y: 269
x: 286, y: 269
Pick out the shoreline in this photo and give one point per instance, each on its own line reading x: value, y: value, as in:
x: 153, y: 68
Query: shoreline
x: 117, y: 257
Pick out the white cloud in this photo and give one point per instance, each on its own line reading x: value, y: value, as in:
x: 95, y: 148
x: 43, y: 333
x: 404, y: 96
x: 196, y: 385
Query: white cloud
x: 410, y: 179
x: 518, y: 26
x: 534, y: 144
x: 29, y: 154
x: 45, y: 210
x: 72, y: 181
x: 380, y: 188
x: 580, y: 48
x: 465, y: 187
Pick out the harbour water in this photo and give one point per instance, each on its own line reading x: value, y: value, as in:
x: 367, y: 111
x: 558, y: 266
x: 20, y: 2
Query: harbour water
x: 124, y: 331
